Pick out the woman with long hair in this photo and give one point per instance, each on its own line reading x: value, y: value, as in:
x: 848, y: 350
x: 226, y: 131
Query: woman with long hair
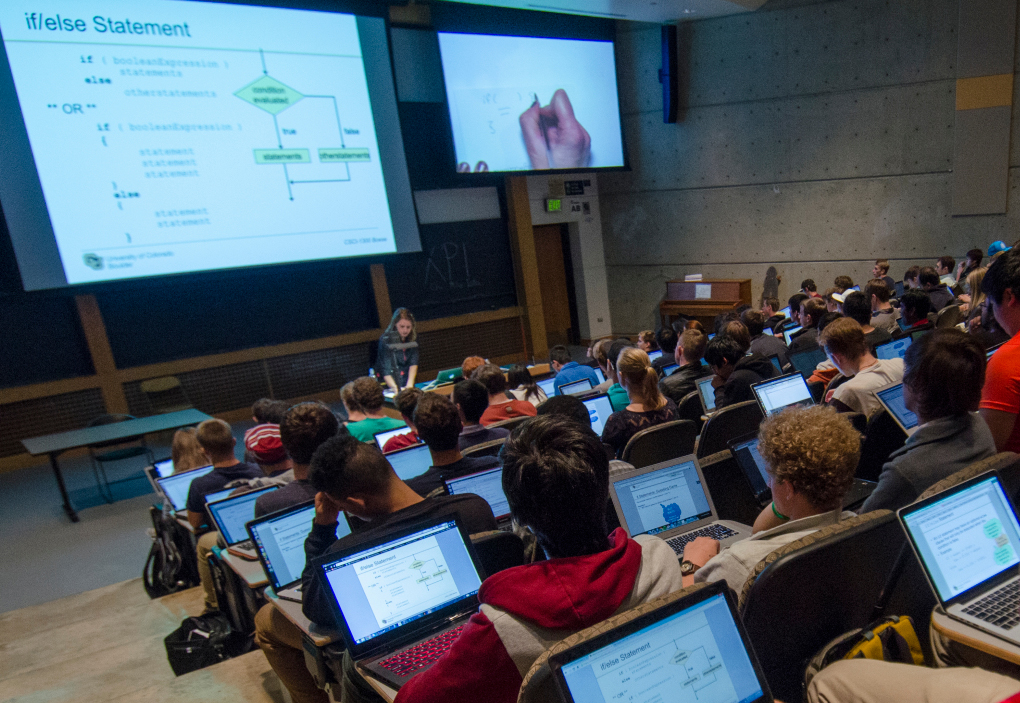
x: 648, y: 406
x: 397, y: 360
x: 185, y: 451
x: 523, y: 387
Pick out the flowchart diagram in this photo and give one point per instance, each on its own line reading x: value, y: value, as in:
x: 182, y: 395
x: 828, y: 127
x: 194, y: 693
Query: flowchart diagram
x: 410, y: 579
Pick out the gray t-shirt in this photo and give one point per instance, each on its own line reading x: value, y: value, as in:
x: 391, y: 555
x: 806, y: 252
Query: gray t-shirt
x: 290, y: 495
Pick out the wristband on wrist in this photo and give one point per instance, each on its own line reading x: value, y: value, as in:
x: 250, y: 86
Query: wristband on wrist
x: 778, y: 514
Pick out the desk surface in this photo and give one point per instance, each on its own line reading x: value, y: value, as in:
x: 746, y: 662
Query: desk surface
x: 972, y: 637
x: 250, y: 571
x: 320, y: 636
x: 73, y: 439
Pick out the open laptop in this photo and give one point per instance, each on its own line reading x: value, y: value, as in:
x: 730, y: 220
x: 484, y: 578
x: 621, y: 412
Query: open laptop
x: 599, y: 410
x: 160, y: 469
x: 692, y: 649
x: 968, y: 541
x: 401, y: 600
x: 576, y: 387
x: 670, y: 500
x: 548, y: 386
x: 175, y: 487
x: 991, y: 350
x: 217, y: 495
x: 411, y: 461
x: 891, y: 398
x: 653, y: 355
x: 805, y: 362
x: 707, y: 393
x: 230, y: 514
x: 896, y: 349
x: 489, y: 485
x: 667, y: 370
x: 381, y: 438
x: 279, y: 540
x: 898, y: 289
x: 600, y: 374
x: 902, y: 323
x: 778, y: 393
x: 774, y: 358
x: 785, y: 312
x: 789, y: 332
x: 448, y: 376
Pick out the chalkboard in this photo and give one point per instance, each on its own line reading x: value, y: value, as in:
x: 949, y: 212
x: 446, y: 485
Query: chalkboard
x: 42, y: 340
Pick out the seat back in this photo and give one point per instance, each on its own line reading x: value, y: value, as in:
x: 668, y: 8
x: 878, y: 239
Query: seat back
x: 490, y: 448
x: 729, y: 423
x: 731, y: 493
x: 689, y: 408
x: 498, y: 550
x: 949, y: 316
x: 859, y: 421
x: 165, y: 394
x: 817, y: 389
x: 1006, y: 463
x: 882, y: 436
x: 509, y: 424
x: 663, y: 442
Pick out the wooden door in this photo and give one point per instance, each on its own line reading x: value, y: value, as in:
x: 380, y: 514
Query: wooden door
x: 554, y: 283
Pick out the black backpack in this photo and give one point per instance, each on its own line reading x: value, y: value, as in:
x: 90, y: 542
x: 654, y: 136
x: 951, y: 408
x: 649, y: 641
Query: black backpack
x: 202, y: 641
x: 171, y: 565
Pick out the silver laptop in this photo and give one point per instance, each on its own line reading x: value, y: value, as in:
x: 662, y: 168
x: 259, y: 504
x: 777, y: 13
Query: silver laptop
x: 707, y: 394
x: 279, y: 540
x: 175, y: 487
x: 776, y: 394
x: 599, y: 410
x: 410, y: 462
x: 891, y: 398
x: 548, y: 386
x: 489, y: 485
x: 230, y: 514
x: 575, y: 387
x: 161, y: 469
x: 968, y: 541
x: 670, y: 500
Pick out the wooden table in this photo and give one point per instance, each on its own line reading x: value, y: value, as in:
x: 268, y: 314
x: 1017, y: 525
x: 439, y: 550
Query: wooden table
x: 973, y: 637
x: 54, y: 445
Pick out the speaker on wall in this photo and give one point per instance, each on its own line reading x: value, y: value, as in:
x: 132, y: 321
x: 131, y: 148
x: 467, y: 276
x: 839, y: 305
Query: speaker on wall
x: 669, y: 74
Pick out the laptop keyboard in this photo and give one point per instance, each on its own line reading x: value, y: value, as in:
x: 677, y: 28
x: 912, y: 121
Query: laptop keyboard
x: 421, y: 655
x: 999, y: 607
x: 719, y: 532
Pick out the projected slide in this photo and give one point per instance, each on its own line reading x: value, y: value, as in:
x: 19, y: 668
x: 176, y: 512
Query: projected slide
x: 525, y: 103
x: 184, y: 136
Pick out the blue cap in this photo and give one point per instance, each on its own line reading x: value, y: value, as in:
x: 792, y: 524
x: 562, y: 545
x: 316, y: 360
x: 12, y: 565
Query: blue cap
x: 997, y: 247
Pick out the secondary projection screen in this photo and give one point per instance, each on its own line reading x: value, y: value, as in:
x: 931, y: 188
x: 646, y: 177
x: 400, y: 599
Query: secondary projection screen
x: 162, y: 137
x: 531, y: 103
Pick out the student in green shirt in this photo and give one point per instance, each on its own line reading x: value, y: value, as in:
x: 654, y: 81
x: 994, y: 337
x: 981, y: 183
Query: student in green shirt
x: 363, y: 400
x: 618, y: 397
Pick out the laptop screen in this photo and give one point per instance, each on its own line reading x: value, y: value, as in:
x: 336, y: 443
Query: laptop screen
x: 410, y: 462
x: 806, y: 362
x: 218, y: 495
x: 396, y: 583
x: 164, y: 468
x: 992, y: 350
x: 895, y: 349
x: 698, y: 651
x: 600, y: 374
x: 653, y: 355
x: 782, y: 392
x: 667, y: 370
x: 175, y: 487
x: 599, y: 410
x: 575, y: 387
x: 488, y: 485
x: 707, y: 392
x: 231, y: 514
x: 892, y: 398
x: 381, y: 438
x: 753, y: 465
x: 902, y: 322
x: 662, y: 499
x: 777, y: 363
x: 280, y: 540
x: 898, y: 292
x: 789, y: 332
x: 966, y: 538
x: 785, y: 312
x: 548, y: 386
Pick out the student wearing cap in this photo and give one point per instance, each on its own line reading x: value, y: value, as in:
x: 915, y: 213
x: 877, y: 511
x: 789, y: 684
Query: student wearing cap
x: 996, y: 248
x: 263, y: 446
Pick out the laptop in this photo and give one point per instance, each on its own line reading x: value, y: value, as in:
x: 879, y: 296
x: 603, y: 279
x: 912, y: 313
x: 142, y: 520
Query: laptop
x: 891, y: 398
x: 576, y: 387
x: 778, y: 393
x: 548, y: 386
x: 968, y: 541
x: 805, y: 362
x: 711, y: 336
x: 895, y: 349
x: 279, y: 540
x: 667, y: 370
x: 411, y: 461
x: 230, y: 514
x: 653, y: 355
x: 217, y: 495
x: 768, y: 331
x: 600, y: 374
x: 670, y: 500
x: 175, y: 487
x: 789, y: 332
x: 487, y: 484
x: 448, y: 376
x: 991, y: 350
x: 599, y: 410
x: 902, y: 323
x: 774, y: 358
x: 898, y: 293
x: 707, y: 393
x: 692, y: 649
x: 401, y: 600
x: 381, y: 438
x: 160, y: 469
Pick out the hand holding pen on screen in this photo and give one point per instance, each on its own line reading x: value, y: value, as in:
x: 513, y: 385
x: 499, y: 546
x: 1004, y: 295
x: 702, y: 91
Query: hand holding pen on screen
x: 553, y: 136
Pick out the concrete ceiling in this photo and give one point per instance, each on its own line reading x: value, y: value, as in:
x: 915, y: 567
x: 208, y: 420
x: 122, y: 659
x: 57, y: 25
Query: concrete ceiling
x: 635, y: 10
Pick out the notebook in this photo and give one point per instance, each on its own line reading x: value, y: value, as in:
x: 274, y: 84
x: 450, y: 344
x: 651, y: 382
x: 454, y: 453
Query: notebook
x: 599, y: 410
x: 891, y: 398
x: 548, y: 386
x: 785, y: 312
x: 175, y: 488
x: 805, y: 362
x: 487, y: 484
x: 670, y: 500
x: 160, y: 469
x: 381, y: 438
x: 706, y: 393
x: 778, y: 393
x: 692, y: 649
x: 789, y: 332
x: 401, y: 600
x: 576, y: 387
x: 230, y: 514
x: 410, y: 461
x: 667, y: 370
x: 968, y: 540
x: 653, y: 355
x: 279, y: 540
x: 895, y: 349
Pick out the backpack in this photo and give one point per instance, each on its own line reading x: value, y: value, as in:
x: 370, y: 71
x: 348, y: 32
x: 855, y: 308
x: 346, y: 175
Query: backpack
x: 170, y: 565
x: 203, y: 641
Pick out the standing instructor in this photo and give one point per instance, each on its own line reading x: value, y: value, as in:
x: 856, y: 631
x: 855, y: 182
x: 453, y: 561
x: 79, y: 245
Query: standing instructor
x: 398, y: 351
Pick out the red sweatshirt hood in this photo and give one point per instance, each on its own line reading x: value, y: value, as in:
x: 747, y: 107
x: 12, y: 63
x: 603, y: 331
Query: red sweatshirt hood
x: 568, y: 593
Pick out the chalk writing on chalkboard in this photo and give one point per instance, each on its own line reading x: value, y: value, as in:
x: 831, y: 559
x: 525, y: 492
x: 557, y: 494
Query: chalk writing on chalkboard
x: 448, y: 267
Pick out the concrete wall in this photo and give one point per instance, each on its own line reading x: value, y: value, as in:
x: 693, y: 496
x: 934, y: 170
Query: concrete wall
x: 819, y: 137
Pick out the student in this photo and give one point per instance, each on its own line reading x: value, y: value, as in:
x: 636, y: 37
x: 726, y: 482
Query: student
x: 943, y: 373
x: 856, y: 307
x: 843, y: 283
x: 363, y: 399
x: 600, y: 352
x: 397, y: 360
x: 667, y: 339
x: 470, y: 365
x: 502, y: 405
x: 647, y: 407
x: 185, y: 451
x: 736, y: 330
x: 472, y: 400
x: 406, y: 401
x: 811, y: 312
x: 263, y: 446
x: 883, y: 314
x: 734, y: 371
x: 910, y: 278
x: 218, y: 443
x: 618, y: 397
x: 938, y: 292
x: 567, y: 370
x: 811, y: 454
x: 914, y: 308
x: 808, y: 288
x: 647, y: 342
x: 523, y: 387
x: 969, y: 265
x: 794, y: 303
x: 267, y: 411
x: 762, y: 343
x: 770, y: 313
x: 880, y: 271
x: 354, y: 477
x: 555, y: 476
x: 1000, y: 399
x: 688, y: 354
x: 944, y: 268
x: 844, y: 344
x: 439, y: 426
x: 832, y: 302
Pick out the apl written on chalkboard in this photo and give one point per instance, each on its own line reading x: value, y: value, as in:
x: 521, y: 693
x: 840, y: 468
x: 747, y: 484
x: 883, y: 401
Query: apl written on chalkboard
x: 449, y: 267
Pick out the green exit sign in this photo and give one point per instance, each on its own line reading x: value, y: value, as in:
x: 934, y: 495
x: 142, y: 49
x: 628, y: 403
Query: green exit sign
x: 553, y: 205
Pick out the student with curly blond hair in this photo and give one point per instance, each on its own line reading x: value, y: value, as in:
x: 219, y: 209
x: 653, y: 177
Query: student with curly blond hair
x: 811, y: 455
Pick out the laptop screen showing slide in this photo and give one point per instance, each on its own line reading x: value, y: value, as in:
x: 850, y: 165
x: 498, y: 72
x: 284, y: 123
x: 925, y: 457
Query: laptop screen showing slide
x: 600, y: 374
x: 789, y: 332
x: 691, y: 649
x: 660, y: 500
x: 164, y: 468
x: 548, y: 386
x: 280, y: 541
x: 374, y: 595
x: 176, y: 487
x: 891, y: 398
x: 706, y: 393
x: 232, y: 513
x: 895, y: 349
x: 778, y: 393
x: 381, y: 438
x: 576, y: 387
x: 599, y: 410
x: 488, y: 485
x: 410, y: 462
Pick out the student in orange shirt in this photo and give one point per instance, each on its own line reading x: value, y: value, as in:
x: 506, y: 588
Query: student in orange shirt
x: 1000, y: 398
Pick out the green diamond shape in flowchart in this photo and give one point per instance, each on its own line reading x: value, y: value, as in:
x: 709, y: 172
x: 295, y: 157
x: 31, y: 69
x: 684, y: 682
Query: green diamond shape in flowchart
x: 270, y: 94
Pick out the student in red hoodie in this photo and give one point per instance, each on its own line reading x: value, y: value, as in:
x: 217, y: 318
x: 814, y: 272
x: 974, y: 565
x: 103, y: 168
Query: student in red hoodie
x: 556, y: 480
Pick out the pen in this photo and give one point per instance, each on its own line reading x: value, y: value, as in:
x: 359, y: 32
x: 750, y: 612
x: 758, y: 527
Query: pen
x: 543, y: 125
